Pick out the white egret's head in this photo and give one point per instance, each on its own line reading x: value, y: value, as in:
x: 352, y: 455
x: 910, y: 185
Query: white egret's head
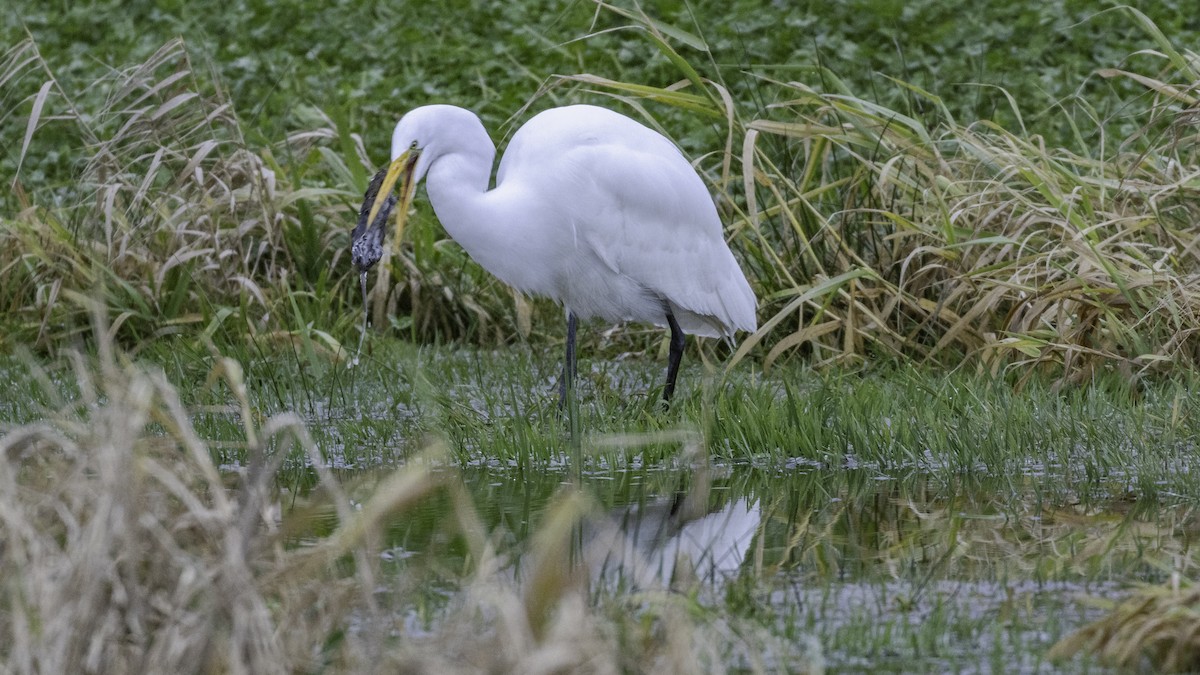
x: 420, y: 137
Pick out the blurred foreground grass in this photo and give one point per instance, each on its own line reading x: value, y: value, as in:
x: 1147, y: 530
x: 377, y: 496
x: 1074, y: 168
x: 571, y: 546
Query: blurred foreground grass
x: 125, y: 549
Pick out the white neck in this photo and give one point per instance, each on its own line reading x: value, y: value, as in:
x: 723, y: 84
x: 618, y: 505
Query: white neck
x: 486, y: 223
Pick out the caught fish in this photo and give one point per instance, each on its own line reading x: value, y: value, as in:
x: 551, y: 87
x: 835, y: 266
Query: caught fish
x: 367, y: 238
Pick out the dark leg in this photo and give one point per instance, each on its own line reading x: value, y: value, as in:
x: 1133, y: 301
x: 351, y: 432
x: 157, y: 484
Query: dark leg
x: 674, y: 356
x: 570, y: 367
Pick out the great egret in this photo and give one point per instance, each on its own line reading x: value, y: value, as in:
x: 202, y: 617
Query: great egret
x: 590, y: 208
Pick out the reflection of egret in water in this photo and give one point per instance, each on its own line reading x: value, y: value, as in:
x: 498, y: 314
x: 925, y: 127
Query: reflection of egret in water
x: 669, y: 543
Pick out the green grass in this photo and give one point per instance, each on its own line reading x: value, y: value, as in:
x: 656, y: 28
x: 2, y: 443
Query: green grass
x: 492, y: 57
x: 1102, y: 441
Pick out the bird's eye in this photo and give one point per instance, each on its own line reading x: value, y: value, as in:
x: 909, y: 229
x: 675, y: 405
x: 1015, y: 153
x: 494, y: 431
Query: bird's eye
x: 413, y: 145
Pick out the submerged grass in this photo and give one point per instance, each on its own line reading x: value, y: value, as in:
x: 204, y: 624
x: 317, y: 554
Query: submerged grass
x: 499, y: 408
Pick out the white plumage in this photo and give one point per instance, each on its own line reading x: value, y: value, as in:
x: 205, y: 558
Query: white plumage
x: 589, y: 208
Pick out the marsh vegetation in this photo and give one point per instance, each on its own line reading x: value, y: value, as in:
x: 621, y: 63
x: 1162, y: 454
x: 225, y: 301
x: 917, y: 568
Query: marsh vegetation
x: 961, y: 438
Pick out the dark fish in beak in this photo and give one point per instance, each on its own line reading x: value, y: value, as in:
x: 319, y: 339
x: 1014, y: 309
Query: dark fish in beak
x: 366, y: 248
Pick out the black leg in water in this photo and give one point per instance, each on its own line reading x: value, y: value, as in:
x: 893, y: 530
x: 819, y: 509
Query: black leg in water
x: 673, y: 357
x: 570, y: 366
x: 568, y: 402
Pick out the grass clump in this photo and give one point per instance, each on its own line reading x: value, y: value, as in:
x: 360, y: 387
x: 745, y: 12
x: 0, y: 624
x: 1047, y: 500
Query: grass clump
x: 127, y: 550
x: 171, y: 217
x: 1156, y: 626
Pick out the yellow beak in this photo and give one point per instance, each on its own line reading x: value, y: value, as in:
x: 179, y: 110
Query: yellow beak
x: 401, y: 167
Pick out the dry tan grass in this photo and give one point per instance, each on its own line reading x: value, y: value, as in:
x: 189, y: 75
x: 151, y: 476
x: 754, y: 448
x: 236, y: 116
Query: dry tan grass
x: 977, y: 241
x: 171, y: 213
x: 1157, y: 628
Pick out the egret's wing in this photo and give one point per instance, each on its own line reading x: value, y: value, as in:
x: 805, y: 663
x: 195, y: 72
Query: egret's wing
x: 655, y: 222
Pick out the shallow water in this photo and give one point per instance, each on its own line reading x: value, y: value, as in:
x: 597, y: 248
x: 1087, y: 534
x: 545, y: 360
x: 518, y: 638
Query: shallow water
x: 886, y: 573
